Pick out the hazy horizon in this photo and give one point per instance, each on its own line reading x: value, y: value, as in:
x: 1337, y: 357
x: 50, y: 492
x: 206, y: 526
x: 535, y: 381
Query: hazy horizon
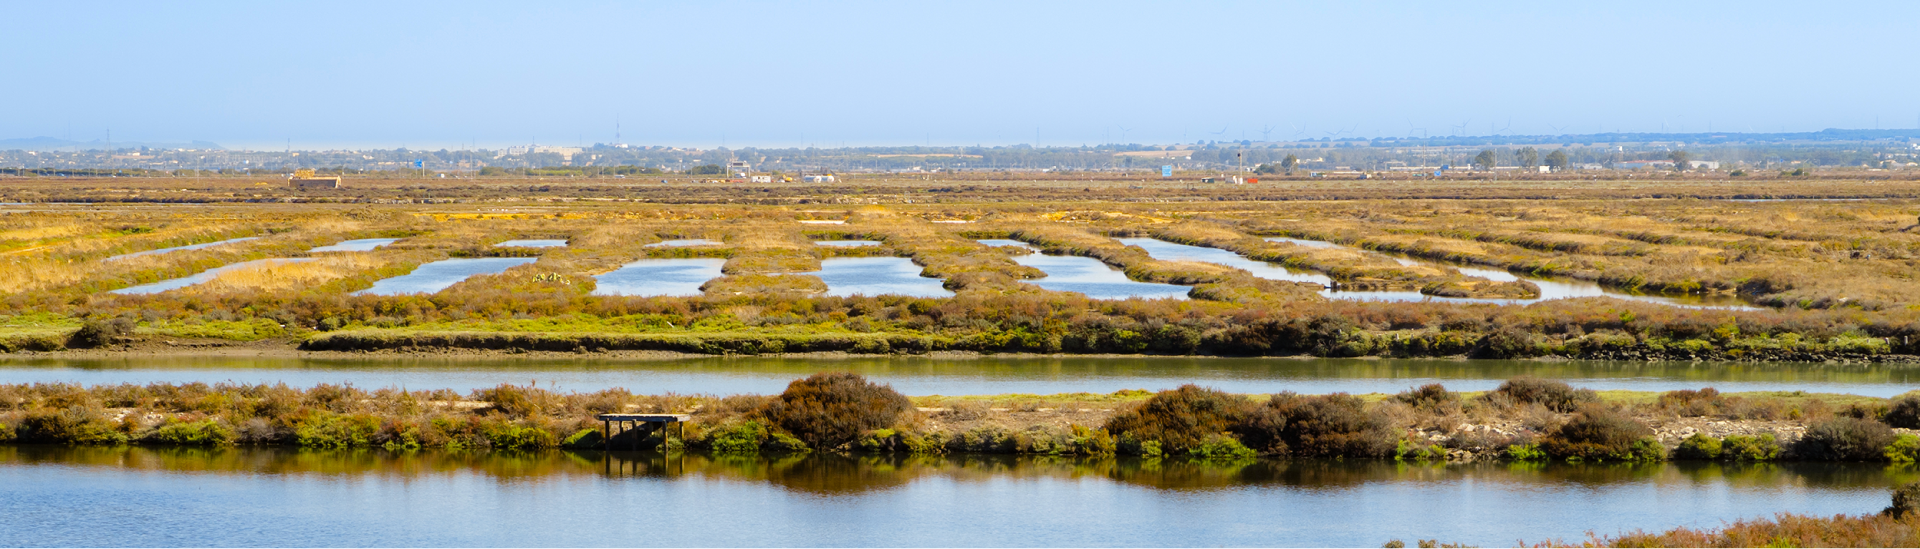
x: 446, y: 75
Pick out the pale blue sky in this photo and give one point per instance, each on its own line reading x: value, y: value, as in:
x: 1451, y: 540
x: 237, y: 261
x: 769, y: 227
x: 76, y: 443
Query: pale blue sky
x: 438, y: 74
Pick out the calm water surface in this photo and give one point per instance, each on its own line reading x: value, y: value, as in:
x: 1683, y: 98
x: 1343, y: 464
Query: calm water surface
x: 200, y: 278
x: 963, y: 376
x: 540, y: 243
x: 684, y: 242
x: 848, y: 276
x: 440, y: 275
x: 1550, y: 288
x: 180, y: 248
x: 56, y: 496
x: 361, y: 245
x: 651, y: 277
x: 1089, y: 276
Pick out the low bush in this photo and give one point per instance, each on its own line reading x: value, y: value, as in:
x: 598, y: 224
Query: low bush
x: 1845, y: 439
x: 829, y: 410
x: 1221, y: 448
x: 1905, y: 449
x: 72, y: 425
x: 191, y: 433
x: 740, y: 438
x: 1180, y: 419
x: 1429, y: 397
x: 101, y: 332
x: 1762, y: 447
x: 1904, y: 413
x: 509, y: 436
x: 1335, y: 425
x: 1555, y: 395
x: 1599, y: 433
x: 1525, y: 452
x: 1691, y: 403
x: 321, y: 429
x: 1698, y: 446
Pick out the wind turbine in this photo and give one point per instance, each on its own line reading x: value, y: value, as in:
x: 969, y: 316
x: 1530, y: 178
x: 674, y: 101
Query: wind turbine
x: 1457, y: 130
x: 1123, y: 133
x: 1411, y: 128
x: 1266, y: 133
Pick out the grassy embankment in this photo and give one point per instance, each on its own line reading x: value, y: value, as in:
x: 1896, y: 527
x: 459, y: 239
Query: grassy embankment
x: 1526, y: 419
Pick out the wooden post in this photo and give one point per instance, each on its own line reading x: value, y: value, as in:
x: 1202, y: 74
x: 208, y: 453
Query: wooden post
x: 606, y: 432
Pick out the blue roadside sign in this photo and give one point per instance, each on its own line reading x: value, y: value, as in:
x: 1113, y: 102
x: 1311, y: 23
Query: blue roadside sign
x: 418, y: 163
x: 1166, y: 171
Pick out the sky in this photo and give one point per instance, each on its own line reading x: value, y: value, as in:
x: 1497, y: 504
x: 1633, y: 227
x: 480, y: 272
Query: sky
x: 348, y: 74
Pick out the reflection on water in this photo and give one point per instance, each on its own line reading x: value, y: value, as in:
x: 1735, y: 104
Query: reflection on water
x: 972, y: 376
x: 532, y: 243
x: 1168, y: 251
x: 361, y: 245
x: 1085, y: 275
x: 684, y: 242
x: 201, y: 277
x: 849, y: 276
x: 181, y: 248
x: 1550, y: 288
x: 651, y: 277
x: 440, y: 275
x: 1007, y: 242
x: 556, y: 498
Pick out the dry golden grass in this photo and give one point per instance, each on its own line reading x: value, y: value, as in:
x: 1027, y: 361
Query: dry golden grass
x: 282, y: 276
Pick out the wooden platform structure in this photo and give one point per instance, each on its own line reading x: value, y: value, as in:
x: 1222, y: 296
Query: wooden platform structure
x: 646, y: 422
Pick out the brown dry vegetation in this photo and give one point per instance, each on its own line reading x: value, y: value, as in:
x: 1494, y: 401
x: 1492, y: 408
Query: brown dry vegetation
x: 1838, y: 276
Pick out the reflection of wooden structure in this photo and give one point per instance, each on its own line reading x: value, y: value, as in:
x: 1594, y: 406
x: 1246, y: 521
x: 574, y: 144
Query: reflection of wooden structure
x: 304, y: 179
x: 646, y: 424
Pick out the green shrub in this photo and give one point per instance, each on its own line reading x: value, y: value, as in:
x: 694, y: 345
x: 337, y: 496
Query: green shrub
x: 508, y: 436
x: 585, y: 439
x: 1691, y: 403
x: 71, y: 425
x: 194, y: 433
x: 1905, y: 412
x: 1555, y: 395
x: 1418, y: 451
x: 6, y: 433
x: 1525, y: 452
x: 1598, y: 433
x: 1335, y: 425
x: 1845, y: 439
x: 1180, y: 419
x: 830, y: 410
x: 330, y: 430
x: 1221, y: 448
x: 1751, y: 448
x: 782, y: 443
x: 739, y: 438
x: 1905, y: 449
x: 1698, y: 446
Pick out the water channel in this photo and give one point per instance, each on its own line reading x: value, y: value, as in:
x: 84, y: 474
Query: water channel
x: 134, y: 496
x: 182, y: 248
x: 443, y: 274
x: 359, y: 245
x: 959, y: 376
x: 659, y: 277
x: 849, y: 276
x: 534, y: 243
